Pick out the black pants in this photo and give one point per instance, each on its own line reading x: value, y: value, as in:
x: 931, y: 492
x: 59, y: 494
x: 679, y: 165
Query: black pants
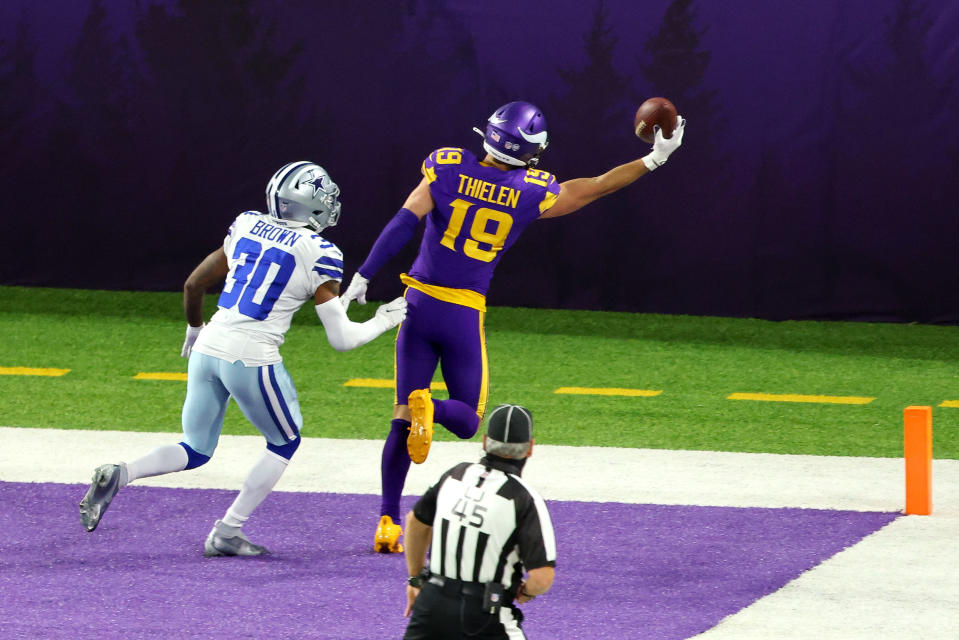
x: 441, y: 614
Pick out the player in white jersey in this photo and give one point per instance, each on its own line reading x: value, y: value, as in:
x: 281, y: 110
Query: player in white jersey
x: 272, y: 264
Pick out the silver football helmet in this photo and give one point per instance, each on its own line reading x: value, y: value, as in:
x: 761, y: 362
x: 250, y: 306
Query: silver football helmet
x: 303, y: 194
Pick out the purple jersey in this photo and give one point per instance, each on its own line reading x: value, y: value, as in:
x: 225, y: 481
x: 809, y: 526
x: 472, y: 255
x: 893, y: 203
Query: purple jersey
x: 480, y: 212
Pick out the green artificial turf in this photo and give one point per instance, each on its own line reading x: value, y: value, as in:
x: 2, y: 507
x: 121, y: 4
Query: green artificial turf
x: 105, y: 338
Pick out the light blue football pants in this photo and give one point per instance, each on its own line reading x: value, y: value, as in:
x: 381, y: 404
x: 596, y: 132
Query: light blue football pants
x: 266, y: 395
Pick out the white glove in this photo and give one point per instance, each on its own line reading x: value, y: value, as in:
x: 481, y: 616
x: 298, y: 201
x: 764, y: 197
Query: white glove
x: 392, y: 313
x: 662, y: 147
x: 356, y: 291
x: 191, y: 335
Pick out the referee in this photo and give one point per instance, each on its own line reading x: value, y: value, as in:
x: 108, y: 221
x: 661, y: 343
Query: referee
x: 485, y: 529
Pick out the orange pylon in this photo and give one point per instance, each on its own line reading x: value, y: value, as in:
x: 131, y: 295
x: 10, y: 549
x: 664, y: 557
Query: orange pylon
x: 917, y: 445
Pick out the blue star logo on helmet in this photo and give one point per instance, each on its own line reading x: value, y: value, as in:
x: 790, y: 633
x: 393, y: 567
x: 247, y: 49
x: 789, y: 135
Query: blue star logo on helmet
x: 316, y: 182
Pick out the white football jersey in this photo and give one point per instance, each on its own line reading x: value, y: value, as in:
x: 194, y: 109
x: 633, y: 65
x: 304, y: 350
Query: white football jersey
x: 274, y: 269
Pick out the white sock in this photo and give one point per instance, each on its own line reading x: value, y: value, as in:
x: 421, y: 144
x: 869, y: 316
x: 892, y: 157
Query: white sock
x: 165, y: 459
x: 257, y: 486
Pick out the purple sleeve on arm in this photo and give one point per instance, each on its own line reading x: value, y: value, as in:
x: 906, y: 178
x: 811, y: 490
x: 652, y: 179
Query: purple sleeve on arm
x: 395, y: 234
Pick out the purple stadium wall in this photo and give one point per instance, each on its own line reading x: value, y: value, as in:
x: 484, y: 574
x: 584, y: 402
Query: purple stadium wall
x: 815, y: 181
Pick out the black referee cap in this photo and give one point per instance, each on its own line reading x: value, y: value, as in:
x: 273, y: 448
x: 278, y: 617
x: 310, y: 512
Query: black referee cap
x: 510, y: 423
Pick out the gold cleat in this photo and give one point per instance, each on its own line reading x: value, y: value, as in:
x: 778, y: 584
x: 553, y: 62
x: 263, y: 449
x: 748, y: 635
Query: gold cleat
x: 387, y: 536
x: 421, y: 425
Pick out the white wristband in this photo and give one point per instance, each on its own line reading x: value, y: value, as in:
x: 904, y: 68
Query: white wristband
x: 652, y: 162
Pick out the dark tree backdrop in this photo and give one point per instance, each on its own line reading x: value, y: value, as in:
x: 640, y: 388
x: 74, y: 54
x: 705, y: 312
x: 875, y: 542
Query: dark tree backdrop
x: 817, y: 179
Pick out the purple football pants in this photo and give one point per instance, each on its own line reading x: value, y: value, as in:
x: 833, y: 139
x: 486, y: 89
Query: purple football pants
x: 451, y: 336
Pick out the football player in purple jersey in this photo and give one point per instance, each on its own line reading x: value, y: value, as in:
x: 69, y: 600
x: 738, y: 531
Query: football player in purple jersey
x: 475, y: 210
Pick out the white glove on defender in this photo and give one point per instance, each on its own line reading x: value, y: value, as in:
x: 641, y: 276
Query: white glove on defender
x: 344, y: 334
x: 393, y: 312
x: 663, y: 148
x: 191, y: 335
x: 356, y: 291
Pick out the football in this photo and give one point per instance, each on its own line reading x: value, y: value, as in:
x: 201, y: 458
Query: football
x: 655, y: 111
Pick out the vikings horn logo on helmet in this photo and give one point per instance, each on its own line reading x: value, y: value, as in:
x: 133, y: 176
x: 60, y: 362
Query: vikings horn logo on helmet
x: 516, y: 134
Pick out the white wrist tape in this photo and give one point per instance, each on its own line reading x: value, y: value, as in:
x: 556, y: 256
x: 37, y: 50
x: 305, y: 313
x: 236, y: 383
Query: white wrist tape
x: 343, y: 333
x: 653, y: 160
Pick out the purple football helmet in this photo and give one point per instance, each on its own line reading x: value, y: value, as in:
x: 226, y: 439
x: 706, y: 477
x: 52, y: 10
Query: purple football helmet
x: 516, y: 134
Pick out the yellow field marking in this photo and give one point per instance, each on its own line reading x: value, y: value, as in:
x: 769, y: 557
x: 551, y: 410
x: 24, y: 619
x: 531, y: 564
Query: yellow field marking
x: 608, y: 391
x: 379, y: 383
x: 159, y: 375
x: 950, y: 403
x: 32, y: 371
x: 792, y: 397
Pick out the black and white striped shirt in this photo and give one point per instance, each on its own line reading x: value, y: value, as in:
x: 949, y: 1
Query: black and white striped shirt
x: 488, y: 525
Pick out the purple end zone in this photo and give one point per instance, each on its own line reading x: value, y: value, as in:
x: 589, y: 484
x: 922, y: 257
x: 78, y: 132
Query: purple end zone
x: 624, y: 570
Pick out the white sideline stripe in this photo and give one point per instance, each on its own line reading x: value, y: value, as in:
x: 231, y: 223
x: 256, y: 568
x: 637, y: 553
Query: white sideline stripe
x: 900, y: 582
x: 590, y: 474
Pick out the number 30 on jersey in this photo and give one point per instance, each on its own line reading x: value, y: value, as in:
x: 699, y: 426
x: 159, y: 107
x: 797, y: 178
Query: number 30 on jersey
x: 258, y: 280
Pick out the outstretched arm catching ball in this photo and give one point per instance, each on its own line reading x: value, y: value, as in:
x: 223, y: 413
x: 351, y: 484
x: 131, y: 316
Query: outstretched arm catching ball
x: 579, y: 192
